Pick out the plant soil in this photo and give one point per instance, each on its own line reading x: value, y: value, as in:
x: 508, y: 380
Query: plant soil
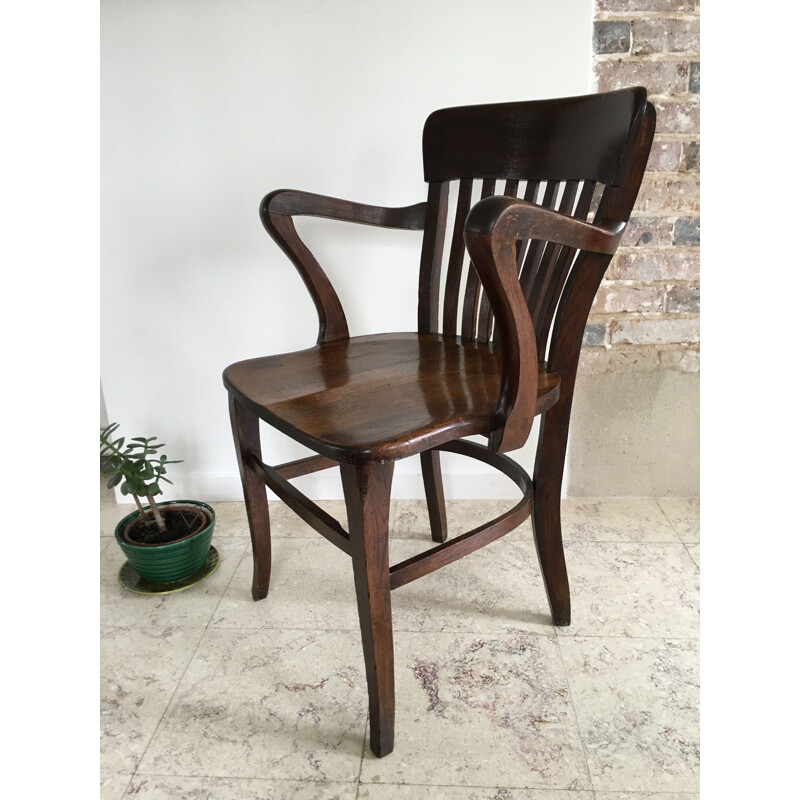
x: 181, y: 521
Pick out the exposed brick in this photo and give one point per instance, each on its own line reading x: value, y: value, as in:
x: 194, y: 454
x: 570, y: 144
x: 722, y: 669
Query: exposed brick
x: 682, y: 299
x: 677, y: 116
x: 597, y: 360
x: 647, y: 231
x: 613, y: 297
x: 668, y: 196
x: 594, y: 334
x: 681, y: 360
x: 690, y: 158
x: 694, y: 77
x: 665, y: 36
x: 687, y: 231
x: 657, y: 264
x: 620, y: 6
x: 665, y: 157
x: 646, y: 330
x: 660, y: 77
x: 611, y: 37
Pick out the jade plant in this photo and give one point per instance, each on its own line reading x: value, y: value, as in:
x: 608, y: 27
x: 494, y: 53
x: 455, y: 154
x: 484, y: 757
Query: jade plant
x: 137, y: 467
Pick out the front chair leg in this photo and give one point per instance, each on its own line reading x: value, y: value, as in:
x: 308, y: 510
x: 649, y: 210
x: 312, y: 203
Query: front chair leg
x: 546, y: 517
x: 247, y: 439
x: 434, y: 494
x: 366, y: 492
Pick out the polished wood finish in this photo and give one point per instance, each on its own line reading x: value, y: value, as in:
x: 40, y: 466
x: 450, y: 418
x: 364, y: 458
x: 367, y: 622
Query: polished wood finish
x: 378, y: 397
x: 322, y: 522
x: 247, y: 441
x: 367, y: 490
x: 523, y: 265
x: 434, y: 494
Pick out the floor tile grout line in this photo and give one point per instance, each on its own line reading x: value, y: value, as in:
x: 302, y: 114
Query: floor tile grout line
x: 227, y: 586
x: 575, y: 712
x: 421, y: 631
x: 243, y: 778
x: 205, y: 630
x: 673, y: 526
x: 363, y: 756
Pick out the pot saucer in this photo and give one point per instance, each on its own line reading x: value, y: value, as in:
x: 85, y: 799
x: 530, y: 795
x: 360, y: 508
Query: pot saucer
x: 133, y: 582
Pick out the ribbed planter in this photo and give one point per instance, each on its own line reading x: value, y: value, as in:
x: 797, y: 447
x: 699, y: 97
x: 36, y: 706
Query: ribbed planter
x: 174, y: 561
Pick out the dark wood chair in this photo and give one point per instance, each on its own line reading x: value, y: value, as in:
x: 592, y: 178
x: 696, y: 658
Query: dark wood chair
x: 557, y: 180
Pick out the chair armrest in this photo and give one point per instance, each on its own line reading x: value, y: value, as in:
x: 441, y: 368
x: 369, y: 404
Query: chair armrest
x: 491, y: 231
x: 520, y: 219
x: 277, y: 210
x: 292, y: 203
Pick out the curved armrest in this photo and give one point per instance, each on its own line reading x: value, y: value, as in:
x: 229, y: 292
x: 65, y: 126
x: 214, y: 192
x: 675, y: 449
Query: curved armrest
x: 277, y: 210
x: 491, y: 231
x: 520, y: 219
x: 292, y: 203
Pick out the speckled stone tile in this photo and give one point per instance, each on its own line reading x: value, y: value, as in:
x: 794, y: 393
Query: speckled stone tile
x: 147, y: 787
x: 694, y: 552
x: 615, y: 519
x: 496, y: 589
x: 193, y: 606
x: 622, y: 589
x: 232, y: 519
x: 311, y: 587
x: 411, y: 518
x: 379, y: 791
x: 637, y: 703
x: 684, y: 515
x: 105, y: 541
x: 475, y: 710
x: 646, y: 796
x: 283, y: 705
x: 113, y: 784
x: 284, y: 523
x: 139, y: 669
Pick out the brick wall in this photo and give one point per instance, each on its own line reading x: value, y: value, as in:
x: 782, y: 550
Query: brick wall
x: 647, y: 311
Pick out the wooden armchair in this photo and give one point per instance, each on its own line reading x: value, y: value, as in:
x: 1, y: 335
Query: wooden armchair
x: 501, y: 347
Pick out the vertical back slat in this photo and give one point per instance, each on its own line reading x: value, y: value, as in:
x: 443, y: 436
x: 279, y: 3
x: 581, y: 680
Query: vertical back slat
x: 536, y: 246
x: 542, y: 326
x: 485, y: 316
x: 553, y: 256
x: 456, y: 262
x: 431, y: 259
x: 472, y: 290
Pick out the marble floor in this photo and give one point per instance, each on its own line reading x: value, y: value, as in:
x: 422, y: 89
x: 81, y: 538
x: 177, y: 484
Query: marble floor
x: 206, y: 694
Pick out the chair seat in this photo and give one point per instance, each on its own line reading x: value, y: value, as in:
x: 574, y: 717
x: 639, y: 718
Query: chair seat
x: 379, y: 397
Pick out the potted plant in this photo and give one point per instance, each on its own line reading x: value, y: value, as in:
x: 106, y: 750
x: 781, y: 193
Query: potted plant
x: 164, y: 542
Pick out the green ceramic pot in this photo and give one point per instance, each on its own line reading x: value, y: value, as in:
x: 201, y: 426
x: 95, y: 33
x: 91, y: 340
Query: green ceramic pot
x: 174, y: 561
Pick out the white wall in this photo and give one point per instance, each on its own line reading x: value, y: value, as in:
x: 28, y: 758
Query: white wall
x: 206, y: 106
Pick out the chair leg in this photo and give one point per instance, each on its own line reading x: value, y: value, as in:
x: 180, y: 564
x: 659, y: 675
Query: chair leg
x: 434, y: 493
x: 366, y: 492
x: 546, y: 517
x: 247, y: 439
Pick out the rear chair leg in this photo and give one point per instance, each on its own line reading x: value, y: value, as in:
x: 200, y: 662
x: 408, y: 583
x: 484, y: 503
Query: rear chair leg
x: 434, y: 494
x: 366, y: 492
x: 247, y: 439
x: 546, y: 517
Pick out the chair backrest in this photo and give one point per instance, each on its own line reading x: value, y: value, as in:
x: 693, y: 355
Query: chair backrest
x: 583, y: 156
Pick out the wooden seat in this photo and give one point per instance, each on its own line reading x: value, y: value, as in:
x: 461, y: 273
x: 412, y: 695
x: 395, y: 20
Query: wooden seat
x: 543, y: 191
x: 378, y: 397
